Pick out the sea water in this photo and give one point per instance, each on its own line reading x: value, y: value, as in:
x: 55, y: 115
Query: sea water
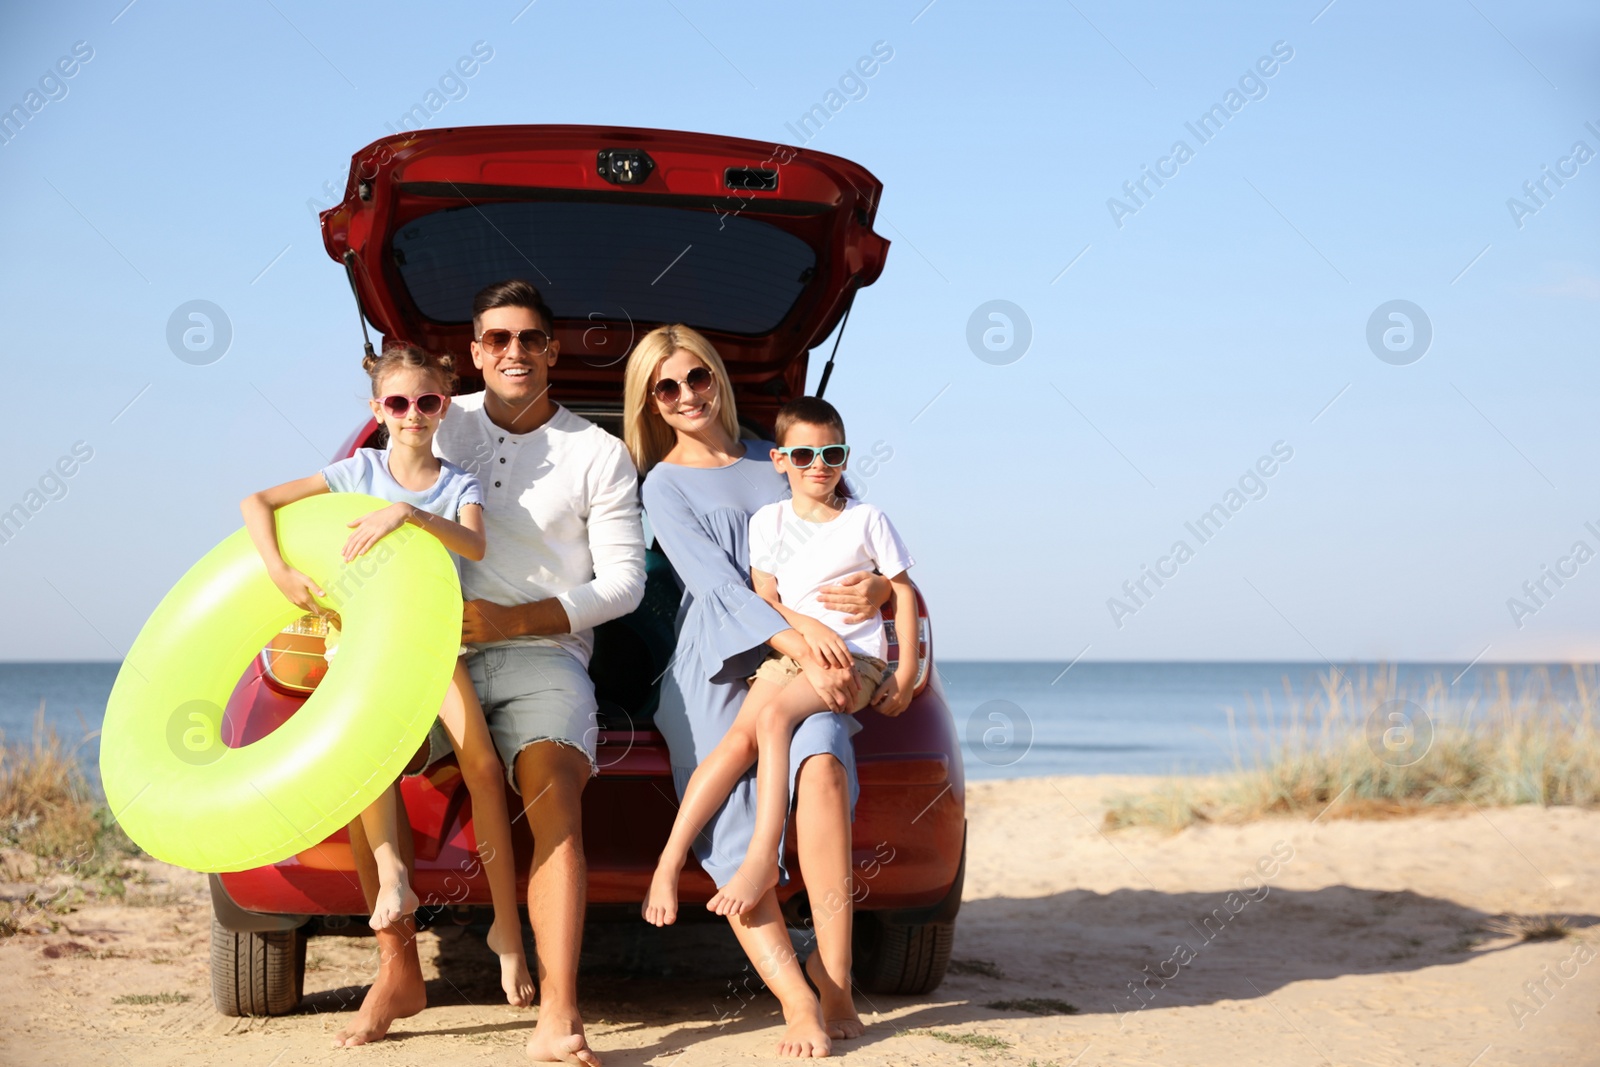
x: 1013, y: 719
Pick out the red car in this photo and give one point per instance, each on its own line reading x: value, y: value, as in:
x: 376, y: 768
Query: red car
x: 760, y: 247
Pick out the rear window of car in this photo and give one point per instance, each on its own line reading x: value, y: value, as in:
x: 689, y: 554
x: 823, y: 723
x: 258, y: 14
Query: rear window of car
x: 608, y: 261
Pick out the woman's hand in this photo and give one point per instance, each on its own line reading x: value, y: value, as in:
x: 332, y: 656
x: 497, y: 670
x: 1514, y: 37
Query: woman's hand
x: 826, y: 645
x: 298, y: 588
x: 372, y: 528
x: 858, y: 595
x: 837, y: 686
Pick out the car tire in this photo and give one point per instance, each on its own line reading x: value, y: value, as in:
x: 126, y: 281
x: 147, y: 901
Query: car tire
x: 899, y: 957
x: 257, y: 973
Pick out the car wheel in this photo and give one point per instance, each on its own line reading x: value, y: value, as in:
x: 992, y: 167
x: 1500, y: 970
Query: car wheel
x: 900, y: 958
x: 257, y: 974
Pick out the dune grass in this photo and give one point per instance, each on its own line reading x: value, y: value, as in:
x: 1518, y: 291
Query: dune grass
x: 1340, y: 754
x: 56, y: 833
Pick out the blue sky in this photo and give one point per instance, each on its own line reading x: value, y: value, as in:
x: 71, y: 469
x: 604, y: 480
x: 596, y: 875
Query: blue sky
x: 1228, y: 312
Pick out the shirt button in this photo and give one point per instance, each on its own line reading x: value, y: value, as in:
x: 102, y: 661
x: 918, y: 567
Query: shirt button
x: 497, y: 485
x: 502, y: 459
x: 502, y: 440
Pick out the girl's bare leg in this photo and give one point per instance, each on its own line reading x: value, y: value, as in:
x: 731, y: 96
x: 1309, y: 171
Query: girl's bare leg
x: 484, y: 774
x: 822, y: 836
x: 764, y: 937
x: 708, y: 788
x: 395, y: 899
x: 776, y: 721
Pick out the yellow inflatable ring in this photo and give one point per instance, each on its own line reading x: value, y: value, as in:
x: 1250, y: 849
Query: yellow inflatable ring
x: 185, y: 797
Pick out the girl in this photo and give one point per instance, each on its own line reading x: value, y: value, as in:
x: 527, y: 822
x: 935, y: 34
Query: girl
x: 410, y: 396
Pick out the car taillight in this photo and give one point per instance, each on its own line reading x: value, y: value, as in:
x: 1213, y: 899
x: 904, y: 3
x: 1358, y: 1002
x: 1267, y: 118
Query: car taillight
x: 924, y: 641
x: 294, y: 658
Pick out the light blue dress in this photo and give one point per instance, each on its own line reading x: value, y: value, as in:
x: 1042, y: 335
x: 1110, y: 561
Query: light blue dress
x: 701, y: 520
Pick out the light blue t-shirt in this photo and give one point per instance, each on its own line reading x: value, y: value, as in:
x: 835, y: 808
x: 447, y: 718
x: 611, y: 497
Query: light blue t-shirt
x: 368, y: 472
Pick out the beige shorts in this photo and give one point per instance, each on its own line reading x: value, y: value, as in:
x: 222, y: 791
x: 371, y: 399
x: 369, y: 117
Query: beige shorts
x: 784, y: 669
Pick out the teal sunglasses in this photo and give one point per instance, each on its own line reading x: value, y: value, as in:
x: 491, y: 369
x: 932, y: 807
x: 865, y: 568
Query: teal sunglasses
x: 803, y: 456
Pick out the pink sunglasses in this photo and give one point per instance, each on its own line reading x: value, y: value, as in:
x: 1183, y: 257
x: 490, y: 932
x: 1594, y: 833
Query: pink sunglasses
x: 428, y: 404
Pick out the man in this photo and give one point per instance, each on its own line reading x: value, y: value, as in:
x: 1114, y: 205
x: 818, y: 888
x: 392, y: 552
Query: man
x: 565, y: 553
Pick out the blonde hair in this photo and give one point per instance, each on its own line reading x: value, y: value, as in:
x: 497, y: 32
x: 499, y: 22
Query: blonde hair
x: 645, y: 433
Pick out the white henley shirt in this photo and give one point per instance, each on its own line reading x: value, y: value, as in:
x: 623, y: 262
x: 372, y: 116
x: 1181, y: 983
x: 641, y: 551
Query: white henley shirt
x: 561, y: 516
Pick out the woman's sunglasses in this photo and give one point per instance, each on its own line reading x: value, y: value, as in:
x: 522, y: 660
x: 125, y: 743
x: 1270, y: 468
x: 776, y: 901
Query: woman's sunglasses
x: 803, y: 456
x: 428, y: 404
x: 533, y: 342
x: 699, y: 381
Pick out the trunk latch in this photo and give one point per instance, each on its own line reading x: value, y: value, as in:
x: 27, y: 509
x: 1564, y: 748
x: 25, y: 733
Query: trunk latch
x: 625, y: 166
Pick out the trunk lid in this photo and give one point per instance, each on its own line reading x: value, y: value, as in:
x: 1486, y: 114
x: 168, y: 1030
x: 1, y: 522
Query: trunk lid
x: 759, y: 246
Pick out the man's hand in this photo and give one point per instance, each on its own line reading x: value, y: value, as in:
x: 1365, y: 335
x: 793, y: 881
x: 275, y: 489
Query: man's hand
x: 826, y: 645
x: 371, y: 528
x: 858, y: 595
x: 298, y: 588
x: 483, y: 621
x: 835, y: 685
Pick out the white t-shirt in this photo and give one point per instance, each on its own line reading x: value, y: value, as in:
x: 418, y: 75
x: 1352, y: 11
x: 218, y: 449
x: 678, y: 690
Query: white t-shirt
x: 805, y: 556
x: 560, y: 514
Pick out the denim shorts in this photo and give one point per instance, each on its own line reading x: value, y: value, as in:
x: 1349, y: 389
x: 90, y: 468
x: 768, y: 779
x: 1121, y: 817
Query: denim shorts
x: 530, y: 693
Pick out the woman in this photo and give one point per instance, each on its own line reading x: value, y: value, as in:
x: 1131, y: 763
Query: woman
x: 701, y: 486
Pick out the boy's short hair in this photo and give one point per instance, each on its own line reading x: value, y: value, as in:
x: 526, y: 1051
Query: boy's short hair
x: 810, y: 410
x: 514, y: 293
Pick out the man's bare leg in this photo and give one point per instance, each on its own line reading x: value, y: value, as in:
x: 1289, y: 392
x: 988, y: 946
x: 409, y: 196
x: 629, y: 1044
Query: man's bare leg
x: 822, y: 837
x: 764, y: 937
x: 398, y: 991
x: 552, y: 778
x: 776, y: 721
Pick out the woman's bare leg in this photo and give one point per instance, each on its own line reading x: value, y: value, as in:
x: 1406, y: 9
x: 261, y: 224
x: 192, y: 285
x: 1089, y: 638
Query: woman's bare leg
x: 776, y: 721
x: 395, y: 899
x: 764, y: 937
x: 484, y: 774
x: 822, y: 837
x: 708, y: 788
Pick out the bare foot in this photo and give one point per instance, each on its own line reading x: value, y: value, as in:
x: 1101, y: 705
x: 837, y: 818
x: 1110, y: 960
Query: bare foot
x: 560, y: 1040
x: 748, y: 884
x: 838, y: 1006
x: 661, y: 903
x: 394, y: 902
x: 514, y: 978
x: 806, y: 1037
x: 397, y: 993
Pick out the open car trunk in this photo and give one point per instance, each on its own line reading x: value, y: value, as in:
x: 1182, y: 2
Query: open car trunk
x: 760, y: 247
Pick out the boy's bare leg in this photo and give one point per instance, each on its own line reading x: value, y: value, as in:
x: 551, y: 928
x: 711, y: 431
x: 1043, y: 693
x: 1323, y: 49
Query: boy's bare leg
x: 776, y: 721
x: 398, y: 991
x: 463, y: 720
x: 764, y: 936
x: 552, y: 778
x: 395, y: 899
x: 708, y: 788
x: 822, y: 836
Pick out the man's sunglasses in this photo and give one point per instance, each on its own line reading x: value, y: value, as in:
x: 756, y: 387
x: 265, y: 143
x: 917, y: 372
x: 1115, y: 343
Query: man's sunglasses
x: 803, y: 456
x: 533, y: 342
x: 699, y: 381
x: 428, y: 404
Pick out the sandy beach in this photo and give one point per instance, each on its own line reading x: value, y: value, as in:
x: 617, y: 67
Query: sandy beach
x: 1280, y: 942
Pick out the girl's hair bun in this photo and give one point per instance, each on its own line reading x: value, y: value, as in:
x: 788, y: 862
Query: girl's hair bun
x: 400, y: 357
